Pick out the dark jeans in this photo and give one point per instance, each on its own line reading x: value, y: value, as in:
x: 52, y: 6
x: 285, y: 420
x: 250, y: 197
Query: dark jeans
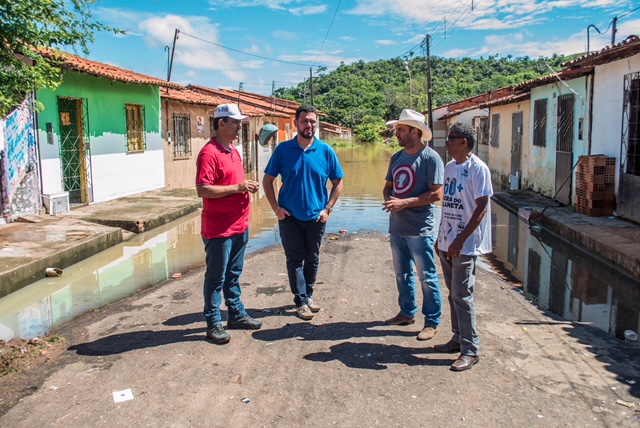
x: 301, y: 242
x: 225, y: 259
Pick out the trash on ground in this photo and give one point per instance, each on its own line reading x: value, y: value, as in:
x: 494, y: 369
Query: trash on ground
x: 124, y: 395
x: 246, y: 400
x: 53, y: 272
x: 343, y: 231
x: 176, y: 276
x: 625, y: 403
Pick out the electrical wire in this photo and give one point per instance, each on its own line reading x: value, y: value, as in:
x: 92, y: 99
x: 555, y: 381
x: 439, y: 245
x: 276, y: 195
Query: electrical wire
x: 328, y: 30
x: 246, y: 53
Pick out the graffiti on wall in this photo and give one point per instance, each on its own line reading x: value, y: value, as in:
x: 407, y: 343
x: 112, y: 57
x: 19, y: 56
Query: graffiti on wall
x: 19, y: 149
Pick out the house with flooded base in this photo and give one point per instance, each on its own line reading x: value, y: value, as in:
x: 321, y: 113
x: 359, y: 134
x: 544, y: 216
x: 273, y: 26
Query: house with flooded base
x: 551, y: 134
x: 99, y: 133
x: 615, y: 109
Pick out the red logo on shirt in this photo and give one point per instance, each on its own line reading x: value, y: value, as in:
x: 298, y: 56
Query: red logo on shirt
x: 404, y: 180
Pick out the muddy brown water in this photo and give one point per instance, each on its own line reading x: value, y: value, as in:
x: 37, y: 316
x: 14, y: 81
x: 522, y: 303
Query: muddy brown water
x: 554, y: 276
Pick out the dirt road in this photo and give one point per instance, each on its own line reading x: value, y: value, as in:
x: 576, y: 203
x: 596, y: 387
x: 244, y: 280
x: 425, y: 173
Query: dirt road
x: 344, y: 368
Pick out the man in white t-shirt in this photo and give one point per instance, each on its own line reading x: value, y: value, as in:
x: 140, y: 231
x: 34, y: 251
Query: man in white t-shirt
x: 465, y: 233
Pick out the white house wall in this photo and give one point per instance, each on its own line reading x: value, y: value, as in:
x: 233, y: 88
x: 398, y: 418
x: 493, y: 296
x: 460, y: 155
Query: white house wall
x: 114, y: 175
x: 541, y: 161
x: 500, y: 157
x: 607, y: 106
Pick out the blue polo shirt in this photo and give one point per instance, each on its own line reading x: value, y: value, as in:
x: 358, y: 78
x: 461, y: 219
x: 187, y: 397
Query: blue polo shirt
x: 304, y: 176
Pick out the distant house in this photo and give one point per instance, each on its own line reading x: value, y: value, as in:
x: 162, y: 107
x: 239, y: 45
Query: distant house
x: 99, y: 133
x: 508, y: 139
x: 558, y: 131
x: 615, y: 110
x: 329, y: 131
x: 469, y: 112
x: 187, y: 123
x: 281, y: 116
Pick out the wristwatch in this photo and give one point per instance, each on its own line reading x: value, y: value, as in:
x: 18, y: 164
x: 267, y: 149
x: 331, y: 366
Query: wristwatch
x: 328, y: 208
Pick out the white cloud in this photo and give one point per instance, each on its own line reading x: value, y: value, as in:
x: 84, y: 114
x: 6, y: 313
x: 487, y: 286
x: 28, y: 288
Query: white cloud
x: 309, y: 10
x: 191, y: 52
x: 289, y: 36
x: 348, y: 38
x: 386, y: 42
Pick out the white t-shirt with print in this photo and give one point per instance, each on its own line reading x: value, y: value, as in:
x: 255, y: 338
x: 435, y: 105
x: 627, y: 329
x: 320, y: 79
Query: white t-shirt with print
x: 463, y: 184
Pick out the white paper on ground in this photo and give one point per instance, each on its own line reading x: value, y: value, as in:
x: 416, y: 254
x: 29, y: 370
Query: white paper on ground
x: 124, y: 395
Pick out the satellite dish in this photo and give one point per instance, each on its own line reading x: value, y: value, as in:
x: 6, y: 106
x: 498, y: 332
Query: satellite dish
x: 266, y: 132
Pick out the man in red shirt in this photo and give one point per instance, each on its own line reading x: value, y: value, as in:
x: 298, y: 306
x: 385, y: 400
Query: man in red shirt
x: 221, y: 184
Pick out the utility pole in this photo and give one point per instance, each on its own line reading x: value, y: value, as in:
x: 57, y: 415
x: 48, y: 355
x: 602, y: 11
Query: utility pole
x: 311, y: 83
x: 614, y: 31
x: 173, y: 50
x: 239, y: 90
x: 429, y: 86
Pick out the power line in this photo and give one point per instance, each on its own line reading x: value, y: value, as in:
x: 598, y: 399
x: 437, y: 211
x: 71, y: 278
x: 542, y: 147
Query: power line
x: 328, y: 30
x: 246, y: 53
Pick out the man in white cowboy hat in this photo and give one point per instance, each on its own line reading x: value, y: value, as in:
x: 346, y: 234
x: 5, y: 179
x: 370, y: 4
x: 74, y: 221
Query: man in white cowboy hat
x: 413, y: 186
x: 221, y: 184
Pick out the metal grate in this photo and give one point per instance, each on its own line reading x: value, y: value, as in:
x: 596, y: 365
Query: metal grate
x: 182, y: 136
x: 631, y: 125
x: 495, y: 130
x: 565, y: 123
x: 135, y: 128
x: 540, y: 123
x: 75, y: 149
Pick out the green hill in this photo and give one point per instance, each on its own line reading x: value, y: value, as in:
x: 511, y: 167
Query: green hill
x: 363, y: 95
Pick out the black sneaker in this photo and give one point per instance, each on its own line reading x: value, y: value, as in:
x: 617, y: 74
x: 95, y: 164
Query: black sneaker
x: 244, y: 323
x: 218, y: 335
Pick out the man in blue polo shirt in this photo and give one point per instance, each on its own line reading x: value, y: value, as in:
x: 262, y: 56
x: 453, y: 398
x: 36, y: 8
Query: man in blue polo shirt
x: 303, y: 205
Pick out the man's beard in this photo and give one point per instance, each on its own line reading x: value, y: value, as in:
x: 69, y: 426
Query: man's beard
x: 306, y: 133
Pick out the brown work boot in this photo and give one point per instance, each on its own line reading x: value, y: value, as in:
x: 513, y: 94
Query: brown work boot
x: 427, y: 333
x: 400, y: 320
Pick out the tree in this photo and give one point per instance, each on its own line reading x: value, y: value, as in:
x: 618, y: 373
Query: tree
x: 27, y: 28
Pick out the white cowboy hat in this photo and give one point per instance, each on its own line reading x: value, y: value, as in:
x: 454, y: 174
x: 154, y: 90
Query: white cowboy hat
x: 415, y: 119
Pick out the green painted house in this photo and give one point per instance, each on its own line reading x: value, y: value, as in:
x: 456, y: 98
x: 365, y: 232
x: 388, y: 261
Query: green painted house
x: 100, y: 133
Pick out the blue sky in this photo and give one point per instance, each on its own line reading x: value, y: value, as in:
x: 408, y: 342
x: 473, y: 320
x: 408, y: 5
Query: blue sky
x: 258, y: 42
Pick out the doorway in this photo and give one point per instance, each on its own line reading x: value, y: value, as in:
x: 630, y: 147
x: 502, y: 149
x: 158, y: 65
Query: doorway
x: 75, y: 153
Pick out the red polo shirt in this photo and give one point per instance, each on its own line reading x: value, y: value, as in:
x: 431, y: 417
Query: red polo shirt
x: 217, y: 166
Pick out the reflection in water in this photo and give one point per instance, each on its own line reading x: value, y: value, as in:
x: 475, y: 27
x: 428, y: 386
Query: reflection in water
x: 565, y: 280
x: 555, y: 275
x: 152, y: 257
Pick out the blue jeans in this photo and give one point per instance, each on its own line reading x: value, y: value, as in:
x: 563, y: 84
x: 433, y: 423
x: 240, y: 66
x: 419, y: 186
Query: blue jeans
x: 460, y: 277
x: 301, y: 242
x: 409, y: 251
x: 225, y: 259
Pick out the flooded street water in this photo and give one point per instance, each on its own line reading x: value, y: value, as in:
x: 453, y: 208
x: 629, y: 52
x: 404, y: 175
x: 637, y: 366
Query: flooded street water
x: 554, y: 275
x: 154, y: 256
x: 563, y: 279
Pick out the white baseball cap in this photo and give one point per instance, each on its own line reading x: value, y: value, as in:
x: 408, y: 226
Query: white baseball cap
x: 229, y: 110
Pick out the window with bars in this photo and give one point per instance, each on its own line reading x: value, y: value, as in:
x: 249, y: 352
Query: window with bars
x: 135, y: 128
x: 540, y: 123
x: 483, y: 131
x: 181, y: 136
x: 495, y: 130
x: 631, y: 127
